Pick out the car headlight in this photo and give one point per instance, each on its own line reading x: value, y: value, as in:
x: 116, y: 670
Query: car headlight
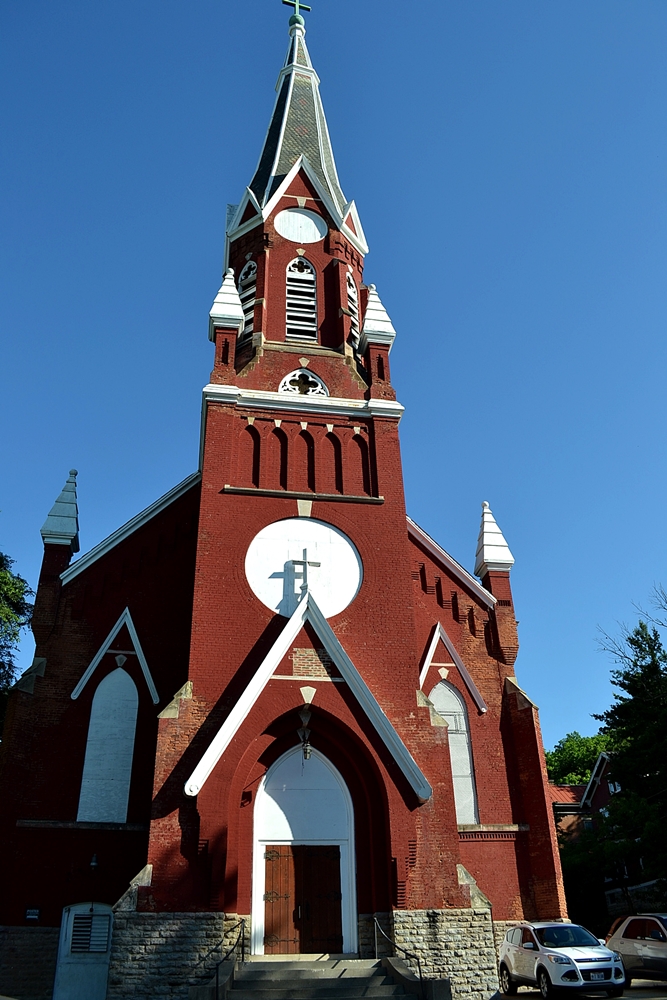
x: 559, y: 960
x: 617, y: 956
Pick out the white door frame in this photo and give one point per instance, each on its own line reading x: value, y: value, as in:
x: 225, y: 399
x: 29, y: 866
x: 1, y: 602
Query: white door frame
x: 348, y: 868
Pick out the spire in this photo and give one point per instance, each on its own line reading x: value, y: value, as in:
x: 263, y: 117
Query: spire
x: 492, y: 550
x: 298, y: 126
x: 227, y: 309
x: 377, y: 328
x: 62, y: 525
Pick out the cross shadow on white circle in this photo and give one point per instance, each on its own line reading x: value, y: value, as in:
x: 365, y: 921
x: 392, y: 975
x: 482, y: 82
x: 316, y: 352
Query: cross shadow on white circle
x: 288, y: 556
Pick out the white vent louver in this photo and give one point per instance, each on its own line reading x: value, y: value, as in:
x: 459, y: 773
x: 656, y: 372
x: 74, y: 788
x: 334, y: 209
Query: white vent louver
x: 247, y: 288
x: 353, y: 306
x: 301, y: 300
x: 90, y: 933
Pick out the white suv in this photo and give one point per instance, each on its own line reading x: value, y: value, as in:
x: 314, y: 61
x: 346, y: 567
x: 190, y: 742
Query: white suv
x: 557, y: 957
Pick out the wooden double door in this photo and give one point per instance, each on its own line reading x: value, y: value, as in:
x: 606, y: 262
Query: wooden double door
x: 302, y: 900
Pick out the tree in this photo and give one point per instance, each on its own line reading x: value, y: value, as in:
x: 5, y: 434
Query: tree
x: 573, y: 758
x: 15, y: 614
x: 626, y: 845
x: 636, y: 725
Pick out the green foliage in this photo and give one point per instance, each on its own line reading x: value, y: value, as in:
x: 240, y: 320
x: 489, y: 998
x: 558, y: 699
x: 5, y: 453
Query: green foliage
x: 636, y: 725
x: 572, y: 759
x: 15, y: 614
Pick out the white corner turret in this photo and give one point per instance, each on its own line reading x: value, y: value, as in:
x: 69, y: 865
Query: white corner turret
x: 62, y: 525
x: 227, y: 309
x: 377, y: 328
x: 493, y: 553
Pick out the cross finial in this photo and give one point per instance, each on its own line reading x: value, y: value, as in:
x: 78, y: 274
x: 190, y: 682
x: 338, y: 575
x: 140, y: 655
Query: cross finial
x: 298, y: 6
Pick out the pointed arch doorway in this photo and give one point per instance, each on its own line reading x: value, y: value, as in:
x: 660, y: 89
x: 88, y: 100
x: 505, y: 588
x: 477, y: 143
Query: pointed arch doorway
x: 304, y: 896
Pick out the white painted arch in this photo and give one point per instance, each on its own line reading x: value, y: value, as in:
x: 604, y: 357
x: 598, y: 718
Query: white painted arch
x: 304, y: 802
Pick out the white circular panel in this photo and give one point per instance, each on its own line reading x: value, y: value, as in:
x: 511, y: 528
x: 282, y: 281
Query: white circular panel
x: 274, y: 566
x: 298, y: 225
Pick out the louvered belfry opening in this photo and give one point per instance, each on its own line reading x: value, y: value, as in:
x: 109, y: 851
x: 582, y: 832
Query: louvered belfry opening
x: 301, y: 300
x: 353, y: 306
x: 247, y: 288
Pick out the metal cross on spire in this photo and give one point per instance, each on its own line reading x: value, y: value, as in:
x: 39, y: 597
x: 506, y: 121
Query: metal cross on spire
x: 298, y: 6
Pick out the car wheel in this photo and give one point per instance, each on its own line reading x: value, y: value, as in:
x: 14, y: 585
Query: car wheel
x: 617, y: 991
x: 628, y: 981
x: 507, y: 984
x: 544, y: 985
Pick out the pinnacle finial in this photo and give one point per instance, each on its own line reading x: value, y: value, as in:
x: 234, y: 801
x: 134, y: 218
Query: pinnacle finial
x: 493, y: 552
x: 62, y: 525
x: 227, y: 309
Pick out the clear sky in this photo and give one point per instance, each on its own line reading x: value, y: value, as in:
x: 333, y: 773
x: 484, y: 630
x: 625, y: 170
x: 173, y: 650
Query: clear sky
x: 508, y: 159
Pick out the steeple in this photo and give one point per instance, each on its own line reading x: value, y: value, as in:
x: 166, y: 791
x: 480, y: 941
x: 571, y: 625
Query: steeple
x: 493, y: 553
x: 297, y: 139
x: 298, y: 126
x: 62, y: 525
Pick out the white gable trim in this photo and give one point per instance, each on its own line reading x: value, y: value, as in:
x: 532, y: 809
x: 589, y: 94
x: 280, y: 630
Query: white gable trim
x: 439, y: 554
x: 129, y: 528
x: 125, y: 619
x: 438, y: 634
x: 308, y: 610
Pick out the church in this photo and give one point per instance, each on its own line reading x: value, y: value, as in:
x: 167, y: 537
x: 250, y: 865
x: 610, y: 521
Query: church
x: 272, y: 696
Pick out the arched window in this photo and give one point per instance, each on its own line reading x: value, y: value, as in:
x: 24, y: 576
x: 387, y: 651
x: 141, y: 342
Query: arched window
x: 449, y: 703
x: 247, y: 291
x: 353, y: 306
x: 107, y: 769
x: 301, y: 319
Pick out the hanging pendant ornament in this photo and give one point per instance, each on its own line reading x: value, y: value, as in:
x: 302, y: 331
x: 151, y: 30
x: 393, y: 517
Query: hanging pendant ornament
x: 304, y: 733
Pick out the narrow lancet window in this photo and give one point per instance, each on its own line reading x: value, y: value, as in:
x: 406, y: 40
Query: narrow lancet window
x: 247, y: 293
x: 448, y: 702
x: 301, y: 300
x: 107, y: 769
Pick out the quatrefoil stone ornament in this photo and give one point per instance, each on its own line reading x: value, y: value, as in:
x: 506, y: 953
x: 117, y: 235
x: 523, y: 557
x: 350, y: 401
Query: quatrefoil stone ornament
x: 303, y: 383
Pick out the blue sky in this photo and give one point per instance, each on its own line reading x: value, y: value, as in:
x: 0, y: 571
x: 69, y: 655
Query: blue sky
x: 508, y: 159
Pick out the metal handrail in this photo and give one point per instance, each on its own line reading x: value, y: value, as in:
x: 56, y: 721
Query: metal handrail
x: 408, y: 954
x: 239, y: 937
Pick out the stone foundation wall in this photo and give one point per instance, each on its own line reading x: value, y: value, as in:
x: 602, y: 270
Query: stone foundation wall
x: 500, y: 929
x: 367, y: 935
x: 451, y: 944
x: 28, y: 961
x: 163, y: 954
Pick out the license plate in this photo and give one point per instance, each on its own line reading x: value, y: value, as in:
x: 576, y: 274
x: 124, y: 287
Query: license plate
x: 596, y: 976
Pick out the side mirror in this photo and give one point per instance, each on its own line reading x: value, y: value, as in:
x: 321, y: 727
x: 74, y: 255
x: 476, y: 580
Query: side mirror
x: 529, y: 945
x: 602, y: 941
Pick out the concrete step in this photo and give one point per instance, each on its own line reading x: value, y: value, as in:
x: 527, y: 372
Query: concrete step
x: 276, y: 972
x: 304, y: 990
x: 314, y: 993
x: 316, y: 963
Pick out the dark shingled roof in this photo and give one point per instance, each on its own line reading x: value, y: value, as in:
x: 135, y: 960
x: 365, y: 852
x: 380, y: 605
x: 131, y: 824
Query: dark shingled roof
x: 298, y: 127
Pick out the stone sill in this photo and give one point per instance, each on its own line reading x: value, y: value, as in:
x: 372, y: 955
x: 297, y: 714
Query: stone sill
x: 60, y: 824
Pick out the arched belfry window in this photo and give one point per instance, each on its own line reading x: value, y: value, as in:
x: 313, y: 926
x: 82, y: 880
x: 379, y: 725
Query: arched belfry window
x: 247, y: 289
x: 301, y: 319
x: 449, y: 703
x: 353, y: 306
x: 107, y: 768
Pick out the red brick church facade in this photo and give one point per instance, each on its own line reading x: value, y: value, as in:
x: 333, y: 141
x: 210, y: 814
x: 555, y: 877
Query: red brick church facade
x: 273, y: 682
